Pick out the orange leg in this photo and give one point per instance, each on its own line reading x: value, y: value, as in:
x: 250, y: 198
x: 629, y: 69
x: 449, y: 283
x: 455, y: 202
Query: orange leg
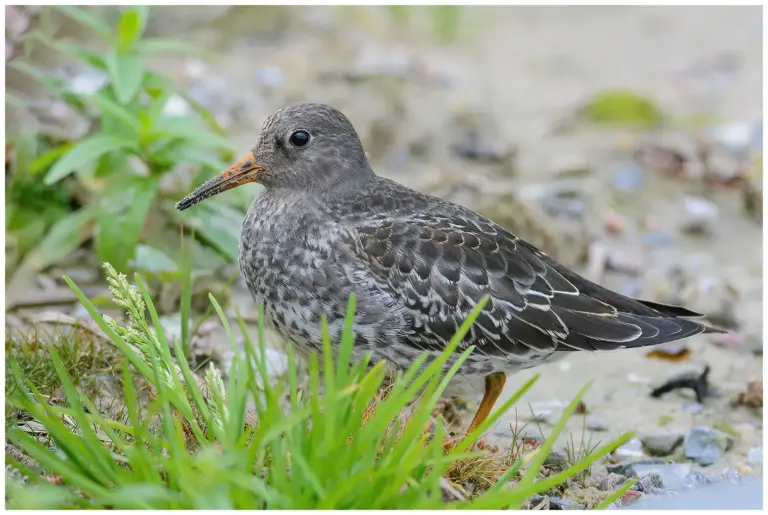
x: 494, y: 384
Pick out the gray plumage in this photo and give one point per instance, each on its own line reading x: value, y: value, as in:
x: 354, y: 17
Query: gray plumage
x: 327, y: 226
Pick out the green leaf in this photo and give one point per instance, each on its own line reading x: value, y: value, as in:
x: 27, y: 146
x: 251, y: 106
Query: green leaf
x: 121, y: 219
x: 129, y: 27
x: 153, y: 260
x: 126, y: 71
x: 111, y: 107
x: 63, y: 238
x: 218, y: 224
x: 45, y: 160
x: 85, y: 18
x: 152, y: 45
x: 85, y: 152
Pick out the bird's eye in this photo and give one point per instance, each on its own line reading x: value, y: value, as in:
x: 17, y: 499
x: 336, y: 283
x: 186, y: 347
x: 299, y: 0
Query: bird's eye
x: 299, y: 138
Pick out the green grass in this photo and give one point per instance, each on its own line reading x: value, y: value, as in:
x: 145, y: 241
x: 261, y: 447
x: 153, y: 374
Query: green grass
x: 203, y: 443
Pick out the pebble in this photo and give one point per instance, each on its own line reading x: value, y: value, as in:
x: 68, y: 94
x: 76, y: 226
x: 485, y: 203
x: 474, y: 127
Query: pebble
x: 628, y: 178
x: 596, y: 424
x: 631, y: 497
x: 671, y: 475
x: 611, y: 482
x: 555, y: 503
x: 613, y: 222
x: 633, y: 448
x: 556, y: 460
x: 564, y: 203
x: 651, y: 483
x: 755, y: 455
x: 701, y: 215
x: 693, y: 407
x: 630, y: 467
x: 661, y: 445
x: 705, y: 445
x: 695, y: 479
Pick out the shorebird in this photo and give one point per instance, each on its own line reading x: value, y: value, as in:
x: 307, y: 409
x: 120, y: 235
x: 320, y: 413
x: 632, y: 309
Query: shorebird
x: 326, y: 226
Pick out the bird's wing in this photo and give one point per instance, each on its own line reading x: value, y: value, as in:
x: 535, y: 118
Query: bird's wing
x: 439, y: 266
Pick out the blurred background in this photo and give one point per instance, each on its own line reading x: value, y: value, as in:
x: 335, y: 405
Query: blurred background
x: 624, y: 141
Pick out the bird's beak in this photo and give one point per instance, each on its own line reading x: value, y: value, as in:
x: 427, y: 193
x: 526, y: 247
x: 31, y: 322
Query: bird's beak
x: 244, y: 171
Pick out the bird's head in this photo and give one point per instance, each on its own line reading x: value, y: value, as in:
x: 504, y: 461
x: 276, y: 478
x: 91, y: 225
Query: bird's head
x: 303, y: 147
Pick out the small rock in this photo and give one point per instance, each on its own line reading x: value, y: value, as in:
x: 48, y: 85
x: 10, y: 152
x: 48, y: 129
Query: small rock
x: 753, y: 396
x: 625, y: 261
x: 730, y: 475
x: 671, y: 475
x: 613, y: 222
x: 628, y: 178
x: 633, y: 448
x: 755, y: 455
x: 450, y: 492
x: 596, y: 424
x: 571, y: 166
x: 630, y: 497
x: 695, y: 479
x: 700, y: 215
x: 556, y: 460
x: 611, y: 482
x: 634, y: 468
x: 651, y: 483
x: 693, y: 407
x: 554, y: 503
x: 661, y: 445
x: 567, y: 203
x: 705, y: 445
x: 540, y: 415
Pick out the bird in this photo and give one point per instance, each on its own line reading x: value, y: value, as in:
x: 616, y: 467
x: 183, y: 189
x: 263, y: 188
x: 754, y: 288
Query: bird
x: 326, y: 227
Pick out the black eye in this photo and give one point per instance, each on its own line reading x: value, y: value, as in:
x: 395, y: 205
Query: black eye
x: 299, y: 138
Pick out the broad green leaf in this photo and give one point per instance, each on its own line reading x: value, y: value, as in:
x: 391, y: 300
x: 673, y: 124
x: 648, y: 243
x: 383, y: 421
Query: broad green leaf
x: 121, y: 219
x: 152, y: 45
x: 218, y: 224
x: 126, y: 71
x: 153, y: 260
x: 129, y: 27
x: 63, y: 238
x: 89, y: 20
x: 45, y: 160
x: 121, y: 113
x: 85, y: 152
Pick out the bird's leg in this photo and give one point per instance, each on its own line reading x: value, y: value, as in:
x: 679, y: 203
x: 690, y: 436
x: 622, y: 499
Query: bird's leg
x: 494, y: 384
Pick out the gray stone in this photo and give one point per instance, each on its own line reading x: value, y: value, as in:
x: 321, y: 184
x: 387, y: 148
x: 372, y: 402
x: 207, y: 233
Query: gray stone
x: 633, y: 448
x: 672, y: 476
x: 651, y: 483
x: 611, y: 482
x: 555, y: 503
x: 696, y: 479
x: 705, y: 445
x: 661, y: 445
x: 595, y: 424
x: 628, y: 467
x: 556, y: 460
